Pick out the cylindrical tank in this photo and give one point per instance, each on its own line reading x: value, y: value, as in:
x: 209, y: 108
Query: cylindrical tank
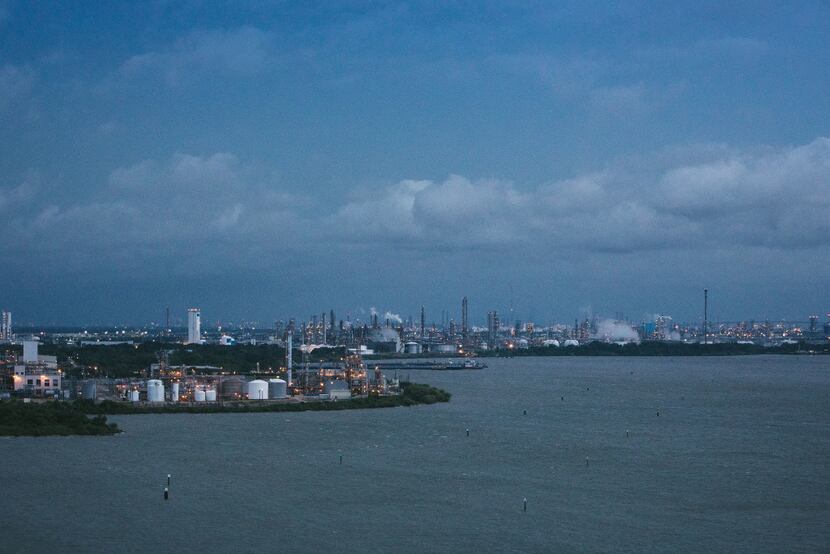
x: 199, y: 395
x: 413, y: 348
x: 277, y: 388
x: 257, y: 390
x: 89, y: 389
x: 232, y: 388
x: 210, y: 395
x: 174, y: 392
x: 134, y: 395
x: 155, y: 390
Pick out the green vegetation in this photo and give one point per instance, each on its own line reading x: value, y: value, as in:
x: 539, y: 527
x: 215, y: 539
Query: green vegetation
x: 18, y: 418
x: 412, y: 395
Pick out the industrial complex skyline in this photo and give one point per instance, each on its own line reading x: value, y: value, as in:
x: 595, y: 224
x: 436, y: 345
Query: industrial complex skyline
x: 261, y: 160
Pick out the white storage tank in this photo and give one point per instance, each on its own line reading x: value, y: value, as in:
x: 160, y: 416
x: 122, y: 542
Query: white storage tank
x: 155, y: 390
x: 134, y: 395
x: 257, y: 390
x: 571, y: 342
x: 210, y: 395
x: 174, y: 392
x: 413, y: 348
x: 199, y: 395
x: 277, y: 388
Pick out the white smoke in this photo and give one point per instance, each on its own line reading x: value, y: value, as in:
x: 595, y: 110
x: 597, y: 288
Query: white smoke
x: 394, y: 318
x: 610, y: 330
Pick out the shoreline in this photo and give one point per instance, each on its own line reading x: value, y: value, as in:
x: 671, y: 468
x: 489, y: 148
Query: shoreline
x: 414, y: 394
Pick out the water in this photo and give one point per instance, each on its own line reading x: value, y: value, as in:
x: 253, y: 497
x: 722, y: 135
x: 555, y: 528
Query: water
x: 736, y: 461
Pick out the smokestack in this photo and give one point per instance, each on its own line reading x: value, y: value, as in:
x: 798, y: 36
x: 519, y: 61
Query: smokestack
x: 464, y: 318
x: 705, y: 315
x: 423, y: 321
x: 289, y: 348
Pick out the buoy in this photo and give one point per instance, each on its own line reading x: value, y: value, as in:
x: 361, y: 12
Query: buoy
x: 658, y: 413
x: 626, y: 433
x: 168, y: 479
x: 525, y: 503
x: 341, y: 459
x: 524, y: 412
x: 166, y: 493
x: 563, y: 398
x: 586, y: 461
x: 468, y: 432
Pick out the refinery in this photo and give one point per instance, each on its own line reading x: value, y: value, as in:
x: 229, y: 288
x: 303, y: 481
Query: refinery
x: 336, y: 359
x: 37, y: 375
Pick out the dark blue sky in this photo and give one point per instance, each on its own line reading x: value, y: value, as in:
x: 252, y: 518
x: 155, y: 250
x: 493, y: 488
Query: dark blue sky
x: 269, y: 159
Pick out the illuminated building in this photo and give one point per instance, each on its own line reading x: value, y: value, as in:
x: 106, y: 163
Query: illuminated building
x: 6, y: 326
x: 194, y: 326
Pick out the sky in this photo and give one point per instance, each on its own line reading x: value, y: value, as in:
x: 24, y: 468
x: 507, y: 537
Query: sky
x: 263, y: 160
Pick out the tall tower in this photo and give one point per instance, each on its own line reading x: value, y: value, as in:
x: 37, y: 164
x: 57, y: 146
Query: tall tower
x: 194, y: 326
x: 423, y: 322
x: 492, y: 327
x: 464, y: 328
x: 705, y: 315
x: 6, y: 326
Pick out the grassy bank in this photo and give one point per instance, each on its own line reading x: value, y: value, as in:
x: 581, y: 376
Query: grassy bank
x: 50, y: 418
x: 413, y: 394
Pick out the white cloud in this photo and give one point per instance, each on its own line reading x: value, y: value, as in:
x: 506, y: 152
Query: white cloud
x: 240, y: 51
x: 203, y: 213
x: 775, y: 198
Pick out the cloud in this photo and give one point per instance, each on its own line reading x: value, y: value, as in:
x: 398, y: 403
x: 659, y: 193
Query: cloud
x: 775, y: 197
x: 14, y: 83
x: 188, y: 213
x: 215, y: 213
x: 240, y: 51
x: 20, y: 194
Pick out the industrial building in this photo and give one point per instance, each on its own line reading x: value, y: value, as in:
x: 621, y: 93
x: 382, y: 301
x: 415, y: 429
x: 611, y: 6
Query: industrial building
x: 194, y: 326
x: 36, y: 374
x: 6, y: 332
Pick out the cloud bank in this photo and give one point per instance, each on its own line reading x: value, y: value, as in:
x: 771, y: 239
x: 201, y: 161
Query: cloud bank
x: 777, y: 198
x: 217, y: 209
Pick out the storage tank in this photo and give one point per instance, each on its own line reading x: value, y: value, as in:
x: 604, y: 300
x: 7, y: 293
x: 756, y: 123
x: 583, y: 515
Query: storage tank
x: 413, y: 348
x: 155, y: 390
x: 445, y: 348
x: 174, y: 392
x: 210, y: 395
x: 89, y: 389
x: 277, y: 388
x: 198, y: 395
x: 337, y: 389
x: 257, y: 390
x: 232, y: 388
x: 134, y: 395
